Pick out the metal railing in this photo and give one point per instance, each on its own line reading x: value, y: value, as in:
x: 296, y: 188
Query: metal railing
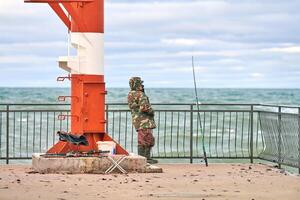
x: 245, y: 131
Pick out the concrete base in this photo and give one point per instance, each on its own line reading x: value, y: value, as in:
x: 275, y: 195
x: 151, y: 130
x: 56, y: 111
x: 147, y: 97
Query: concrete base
x: 153, y: 169
x: 77, y: 165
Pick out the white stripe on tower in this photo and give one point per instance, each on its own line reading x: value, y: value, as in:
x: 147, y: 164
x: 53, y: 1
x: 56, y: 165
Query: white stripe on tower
x: 90, y: 54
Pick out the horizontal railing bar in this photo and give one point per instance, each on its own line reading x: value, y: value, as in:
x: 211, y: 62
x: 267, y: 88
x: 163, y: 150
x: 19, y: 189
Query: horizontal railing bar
x: 110, y: 104
x: 189, y: 104
x: 33, y: 104
x: 16, y: 158
x: 13, y: 110
x: 177, y: 110
x: 200, y: 157
x: 157, y: 157
x: 159, y: 104
x: 193, y: 111
x: 124, y: 104
x: 278, y: 113
x: 225, y: 104
x: 282, y: 106
x: 163, y: 104
x: 276, y: 161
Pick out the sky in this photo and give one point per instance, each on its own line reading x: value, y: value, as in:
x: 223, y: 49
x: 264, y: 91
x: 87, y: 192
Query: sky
x: 236, y: 43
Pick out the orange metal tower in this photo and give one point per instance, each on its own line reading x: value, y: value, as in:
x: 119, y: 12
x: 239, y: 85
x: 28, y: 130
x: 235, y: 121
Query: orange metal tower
x: 85, y: 21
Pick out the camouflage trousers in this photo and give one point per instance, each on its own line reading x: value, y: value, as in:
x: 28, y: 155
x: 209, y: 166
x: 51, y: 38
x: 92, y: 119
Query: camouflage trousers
x: 146, y: 138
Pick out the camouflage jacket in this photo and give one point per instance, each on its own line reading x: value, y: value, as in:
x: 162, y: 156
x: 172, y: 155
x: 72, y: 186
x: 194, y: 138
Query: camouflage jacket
x: 141, y: 111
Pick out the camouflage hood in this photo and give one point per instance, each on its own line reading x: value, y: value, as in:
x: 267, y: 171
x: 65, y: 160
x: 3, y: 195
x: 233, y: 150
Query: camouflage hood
x: 135, y: 83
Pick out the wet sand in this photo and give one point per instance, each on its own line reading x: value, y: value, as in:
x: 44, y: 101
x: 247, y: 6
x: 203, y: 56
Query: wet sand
x: 179, y: 181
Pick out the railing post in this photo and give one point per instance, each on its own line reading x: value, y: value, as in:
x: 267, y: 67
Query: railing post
x: 7, y: 134
x: 299, y: 140
x: 279, y: 137
x: 251, y: 133
x: 106, y: 120
x: 191, y: 134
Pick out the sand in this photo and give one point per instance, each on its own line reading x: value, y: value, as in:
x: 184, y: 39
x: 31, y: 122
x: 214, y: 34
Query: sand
x: 179, y: 181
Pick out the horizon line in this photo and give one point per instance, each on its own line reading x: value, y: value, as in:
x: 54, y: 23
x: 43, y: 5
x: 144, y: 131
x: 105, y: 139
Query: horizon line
x: 46, y: 87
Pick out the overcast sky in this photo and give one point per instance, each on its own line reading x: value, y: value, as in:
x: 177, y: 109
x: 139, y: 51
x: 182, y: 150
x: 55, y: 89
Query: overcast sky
x: 236, y: 43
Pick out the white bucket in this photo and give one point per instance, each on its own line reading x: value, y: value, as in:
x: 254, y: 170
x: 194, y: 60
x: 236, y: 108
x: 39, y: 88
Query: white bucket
x: 107, y: 146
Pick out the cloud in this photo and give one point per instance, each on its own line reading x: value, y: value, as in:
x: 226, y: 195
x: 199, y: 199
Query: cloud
x: 291, y: 49
x: 238, y: 68
x: 186, y: 69
x: 209, y: 53
x: 257, y: 75
x: 186, y: 42
x: 28, y: 59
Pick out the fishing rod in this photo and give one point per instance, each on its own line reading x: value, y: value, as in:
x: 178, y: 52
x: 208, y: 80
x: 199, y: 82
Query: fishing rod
x: 198, y: 113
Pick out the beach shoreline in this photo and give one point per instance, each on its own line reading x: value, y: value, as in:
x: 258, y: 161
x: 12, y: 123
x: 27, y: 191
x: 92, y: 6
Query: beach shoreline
x: 179, y: 181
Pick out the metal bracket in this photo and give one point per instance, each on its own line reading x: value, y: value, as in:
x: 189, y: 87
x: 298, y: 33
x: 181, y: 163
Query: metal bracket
x: 63, y: 117
x: 62, y: 78
x: 63, y: 98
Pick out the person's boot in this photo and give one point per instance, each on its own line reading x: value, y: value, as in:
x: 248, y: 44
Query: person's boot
x: 148, y: 156
x: 141, y: 151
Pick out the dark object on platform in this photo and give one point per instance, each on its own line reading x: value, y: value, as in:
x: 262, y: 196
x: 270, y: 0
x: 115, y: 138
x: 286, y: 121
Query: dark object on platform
x: 152, y: 161
x: 77, y: 154
x: 74, y: 139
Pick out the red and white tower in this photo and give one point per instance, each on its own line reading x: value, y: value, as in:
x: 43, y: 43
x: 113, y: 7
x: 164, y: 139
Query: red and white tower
x: 85, y: 21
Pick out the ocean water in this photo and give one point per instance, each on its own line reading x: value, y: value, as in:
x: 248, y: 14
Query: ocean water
x: 161, y: 95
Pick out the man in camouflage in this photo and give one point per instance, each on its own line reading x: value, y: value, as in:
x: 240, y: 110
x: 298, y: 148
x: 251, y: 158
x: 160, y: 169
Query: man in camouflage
x: 142, y: 117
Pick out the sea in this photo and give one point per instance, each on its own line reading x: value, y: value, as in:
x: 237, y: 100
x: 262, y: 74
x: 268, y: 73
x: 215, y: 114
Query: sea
x: 161, y: 95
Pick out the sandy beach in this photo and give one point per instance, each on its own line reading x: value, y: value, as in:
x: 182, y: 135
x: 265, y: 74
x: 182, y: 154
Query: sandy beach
x: 179, y: 181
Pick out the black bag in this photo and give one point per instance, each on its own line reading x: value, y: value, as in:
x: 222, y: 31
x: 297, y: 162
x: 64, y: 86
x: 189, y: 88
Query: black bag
x: 74, y: 139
